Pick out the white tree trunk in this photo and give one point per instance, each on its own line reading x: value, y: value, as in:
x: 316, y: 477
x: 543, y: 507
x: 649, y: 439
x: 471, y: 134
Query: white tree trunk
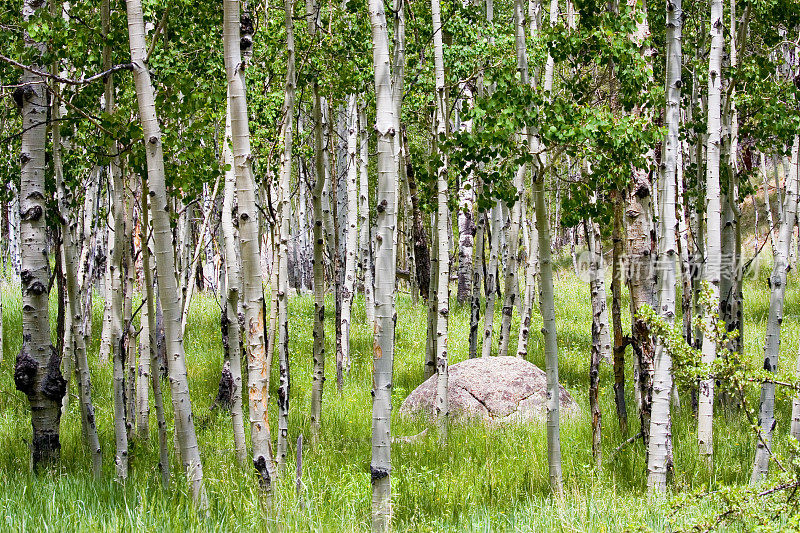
x: 496, y: 227
x: 283, y: 252
x: 713, y: 262
x: 772, y: 340
x: 351, y: 235
x: 443, y: 235
x: 365, y: 242
x: 76, y: 349
x: 233, y: 288
x: 167, y: 286
x: 386, y: 128
x: 659, y: 457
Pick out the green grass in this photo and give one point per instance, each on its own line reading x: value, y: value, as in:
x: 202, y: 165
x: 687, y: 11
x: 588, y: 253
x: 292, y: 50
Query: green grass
x: 483, y: 480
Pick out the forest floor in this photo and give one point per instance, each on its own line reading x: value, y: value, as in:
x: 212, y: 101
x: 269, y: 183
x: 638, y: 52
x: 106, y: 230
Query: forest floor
x: 483, y: 480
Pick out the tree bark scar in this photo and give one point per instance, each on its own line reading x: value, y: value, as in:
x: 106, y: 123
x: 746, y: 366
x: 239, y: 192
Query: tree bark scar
x: 377, y: 473
x: 54, y: 385
x: 25, y: 372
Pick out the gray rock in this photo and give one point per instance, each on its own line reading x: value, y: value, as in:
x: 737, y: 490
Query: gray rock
x: 492, y: 389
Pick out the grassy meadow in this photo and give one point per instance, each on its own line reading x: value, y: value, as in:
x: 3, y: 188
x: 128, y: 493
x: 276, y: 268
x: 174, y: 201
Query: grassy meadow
x: 483, y: 480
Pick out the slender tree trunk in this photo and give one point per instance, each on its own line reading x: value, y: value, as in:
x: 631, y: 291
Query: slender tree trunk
x: 443, y: 235
x: 601, y: 341
x: 387, y: 130
x: 531, y: 269
x: 491, y: 280
x: 777, y: 285
x: 365, y: 241
x: 318, y: 371
x: 167, y: 286
x: 620, y: 341
x: 422, y: 254
x: 713, y: 263
x: 117, y: 279
x: 478, y: 264
x: 285, y: 217
x: 659, y: 462
x: 548, y: 310
x: 350, y: 244
x: 152, y: 343
x: 77, y: 347
x: 231, y: 312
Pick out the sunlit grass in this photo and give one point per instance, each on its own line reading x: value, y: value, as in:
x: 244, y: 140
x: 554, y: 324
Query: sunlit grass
x: 484, y: 480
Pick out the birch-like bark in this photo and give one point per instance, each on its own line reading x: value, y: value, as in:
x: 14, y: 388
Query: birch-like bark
x: 117, y: 281
x: 547, y: 299
x: 443, y: 235
x: 531, y: 269
x: 152, y: 332
x: 351, y: 242
x: 386, y: 129
x: 601, y: 340
x: 233, y: 288
x: 365, y: 242
x: 283, y: 239
x: 37, y: 372
x: 713, y: 263
x: 548, y: 310
x: 794, y: 429
x: 77, y: 346
x: 478, y: 265
x: 318, y: 261
x: 167, y: 286
x: 659, y: 455
x: 491, y: 280
x: 772, y: 340
x: 252, y: 290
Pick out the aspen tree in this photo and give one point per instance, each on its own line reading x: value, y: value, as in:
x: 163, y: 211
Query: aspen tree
x: 162, y: 234
x: 152, y: 343
x: 777, y: 285
x: 386, y: 129
x: 283, y: 238
x: 713, y: 263
x: 547, y: 299
x: 659, y: 457
x: 443, y: 235
x: 76, y: 350
x: 37, y: 372
x: 233, y: 288
x: 318, y: 262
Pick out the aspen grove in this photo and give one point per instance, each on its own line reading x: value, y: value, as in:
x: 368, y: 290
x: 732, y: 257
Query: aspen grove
x: 400, y: 265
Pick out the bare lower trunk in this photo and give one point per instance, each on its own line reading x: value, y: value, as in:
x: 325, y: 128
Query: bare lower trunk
x: 713, y: 263
x: 616, y: 314
x: 231, y: 312
x: 491, y: 280
x: 547, y: 306
x: 777, y: 285
x: 601, y: 341
x: 478, y: 265
x: 387, y: 130
x: 443, y: 235
x: 659, y: 462
x: 318, y: 371
x: 641, y: 281
x: 152, y: 343
x: 76, y: 350
x: 283, y: 252
x: 365, y: 240
x: 167, y: 286
x: 350, y: 244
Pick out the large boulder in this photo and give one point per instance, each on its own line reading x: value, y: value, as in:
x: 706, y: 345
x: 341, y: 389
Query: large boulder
x: 492, y: 389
